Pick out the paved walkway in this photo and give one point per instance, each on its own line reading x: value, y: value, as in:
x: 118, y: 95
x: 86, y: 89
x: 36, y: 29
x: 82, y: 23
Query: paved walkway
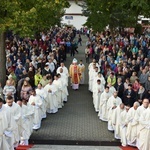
x: 77, y: 120
x: 57, y: 147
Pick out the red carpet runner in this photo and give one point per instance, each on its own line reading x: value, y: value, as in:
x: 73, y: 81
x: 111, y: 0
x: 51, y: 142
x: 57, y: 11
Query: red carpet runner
x: 24, y: 147
x: 128, y: 148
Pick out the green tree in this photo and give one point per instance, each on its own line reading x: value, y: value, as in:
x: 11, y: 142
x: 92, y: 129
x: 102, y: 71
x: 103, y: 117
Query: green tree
x: 115, y: 13
x: 27, y: 17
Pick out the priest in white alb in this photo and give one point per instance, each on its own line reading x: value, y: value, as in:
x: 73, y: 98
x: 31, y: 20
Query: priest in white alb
x: 36, y: 102
x: 139, y: 111
x: 65, y: 70
x: 112, y: 104
x: 111, y: 88
x: 98, y: 89
x: 24, y: 124
x: 93, y: 72
x: 58, y: 85
x: 123, y: 126
x: 16, y: 113
x: 52, y: 105
x: 144, y: 134
x: 30, y: 114
x: 6, y: 128
x: 64, y: 76
x: 103, y: 111
x: 132, y: 128
x: 64, y: 90
x: 116, y: 120
x: 99, y: 77
x: 91, y: 64
x: 43, y: 94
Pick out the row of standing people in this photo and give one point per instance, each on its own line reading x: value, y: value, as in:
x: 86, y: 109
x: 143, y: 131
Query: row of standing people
x: 123, y: 118
x: 26, y: 115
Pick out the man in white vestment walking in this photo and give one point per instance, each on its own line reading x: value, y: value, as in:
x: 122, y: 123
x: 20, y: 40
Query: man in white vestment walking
x: 144, y: 134
x: 116, y: 120
x: 65, y: 70
x: 6, y: 128
x: 16, y: 113
x: 103, y: 112
x: 98, y: 89
x: 112, y: 104
x: 111, y: 88
x: 43, y: 94
x: 91, y: 64
x: 123, y: 125
x: 64, y: 76
x: 64, y: 91
x: 132, y: 128
x: 24, y: 124
x: 30, y: 114
x: 138, y: 113
x: 36, y: 102
x: 52, y: 102
x: 99, y: 77
x: 92, y: 76
x: 59, y: 87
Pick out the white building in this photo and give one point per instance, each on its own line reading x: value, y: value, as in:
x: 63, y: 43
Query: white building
x: 73, y: 15
x: 143, y: 20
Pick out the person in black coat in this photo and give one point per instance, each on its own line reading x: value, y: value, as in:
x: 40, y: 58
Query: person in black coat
x: 147, y: 95
x: 46, y: 71
x: 141, y: 94
x: 119, y: 87
x: 129, y: 96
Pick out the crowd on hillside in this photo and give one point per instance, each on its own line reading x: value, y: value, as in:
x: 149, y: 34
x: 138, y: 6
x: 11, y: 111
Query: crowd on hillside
x: 36, y: 84
x: 119, y: 78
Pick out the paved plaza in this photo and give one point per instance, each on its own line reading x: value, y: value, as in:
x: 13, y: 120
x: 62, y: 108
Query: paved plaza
x: 76, y: 122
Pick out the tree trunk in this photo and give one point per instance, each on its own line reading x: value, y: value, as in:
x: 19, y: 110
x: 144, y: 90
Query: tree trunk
x: 2, y: 59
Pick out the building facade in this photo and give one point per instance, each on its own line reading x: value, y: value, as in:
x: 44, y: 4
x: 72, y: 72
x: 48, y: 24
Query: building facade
x: 73, y: 15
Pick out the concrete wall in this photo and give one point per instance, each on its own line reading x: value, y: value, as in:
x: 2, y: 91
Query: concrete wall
x: 74, y: 13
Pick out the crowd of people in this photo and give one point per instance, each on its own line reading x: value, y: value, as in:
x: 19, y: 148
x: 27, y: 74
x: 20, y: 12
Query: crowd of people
x: 36, y: 84
x: 119, y: 79
x: 37, y: 80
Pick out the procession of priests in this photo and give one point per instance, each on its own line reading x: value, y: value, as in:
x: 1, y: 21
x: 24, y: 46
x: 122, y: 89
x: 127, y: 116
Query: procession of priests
x: 126, y: 112
x: 18, y: 118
